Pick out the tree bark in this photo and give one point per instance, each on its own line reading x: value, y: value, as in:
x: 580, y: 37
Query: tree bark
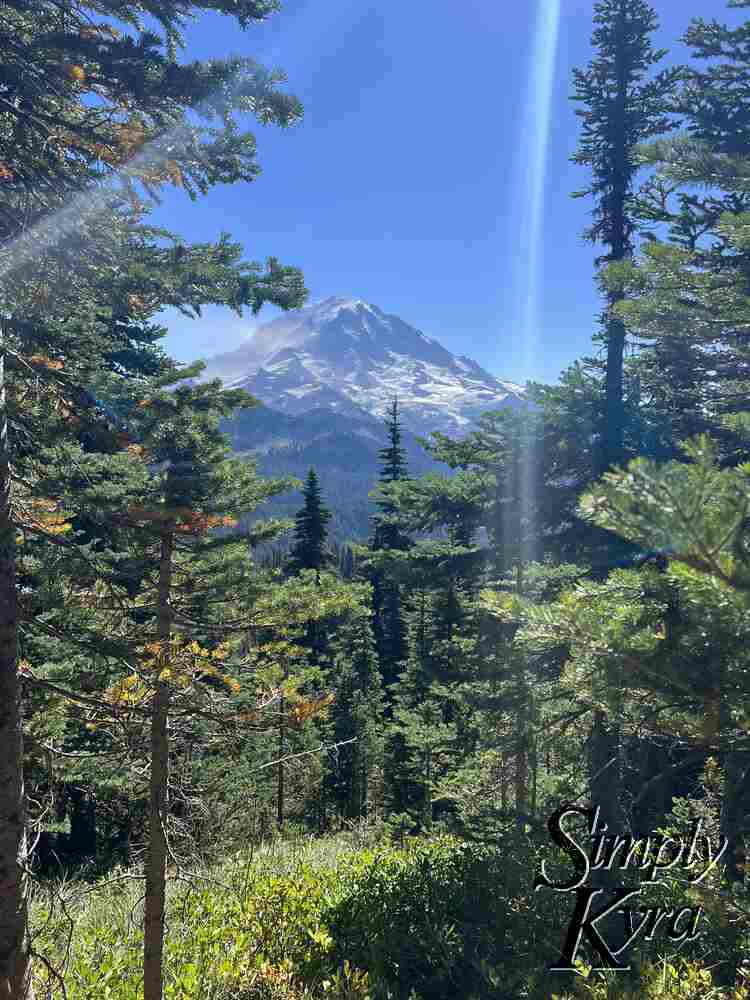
x: 280, y: 776
x: 605, y: 768
x: 156, y: 862
x: 15, y: 962
x: 613, y: 437
x: 521, y: 775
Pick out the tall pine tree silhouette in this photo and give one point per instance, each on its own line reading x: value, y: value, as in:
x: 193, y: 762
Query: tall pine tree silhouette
x: 621, y: 107
x: 389, y: 624
x: 387, y: 533
x: 311, y: 529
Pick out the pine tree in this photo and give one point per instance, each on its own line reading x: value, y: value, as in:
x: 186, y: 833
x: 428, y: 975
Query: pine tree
x: 687, y: 297
x: 696, y: 513
x: 167, y: 495
x: 622, y: 107
x: 311, y: 529
x: 393, y: 455
x: 356, y: 722
x: 387, y: 532
x: 422, y: 742
x: 389, y: 624
x: 140, y: 132
x: 715, y: 97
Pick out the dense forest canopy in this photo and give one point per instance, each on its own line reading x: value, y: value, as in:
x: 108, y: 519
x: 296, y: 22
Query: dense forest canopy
x: 330, y: 771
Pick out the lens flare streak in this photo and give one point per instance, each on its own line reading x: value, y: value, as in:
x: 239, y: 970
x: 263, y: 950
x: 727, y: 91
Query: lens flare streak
x: 528, y: 224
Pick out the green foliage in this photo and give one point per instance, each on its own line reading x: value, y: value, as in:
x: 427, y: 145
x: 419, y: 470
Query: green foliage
x: 310, y: 529
x: 356, y: 722
x: 671, y: 979
x: 435, y: 919
x: 612, y: 128
x: 694, y: 511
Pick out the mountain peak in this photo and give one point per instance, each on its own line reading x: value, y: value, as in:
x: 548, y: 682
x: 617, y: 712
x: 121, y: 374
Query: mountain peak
x: 333, y: 305
x: 350, y: 356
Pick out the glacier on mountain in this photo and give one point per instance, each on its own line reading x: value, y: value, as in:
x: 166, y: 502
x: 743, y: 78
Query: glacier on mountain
x: 351, y: 357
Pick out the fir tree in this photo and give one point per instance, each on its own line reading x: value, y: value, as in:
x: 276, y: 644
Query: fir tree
x: 393, y: 455
x: 687, y: 299
x: 387, y: 532
x: 54, y: 270
x: 311, y: 529
x: 356, y: 722
x: 621, y: 108
x: 389, y: 624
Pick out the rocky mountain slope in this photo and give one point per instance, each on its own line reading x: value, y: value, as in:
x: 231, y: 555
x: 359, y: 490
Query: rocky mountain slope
x: 351, y: 358
x: 327, y: 375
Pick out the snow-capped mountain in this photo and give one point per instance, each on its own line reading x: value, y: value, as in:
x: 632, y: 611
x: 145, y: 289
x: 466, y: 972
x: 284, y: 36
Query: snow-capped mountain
x: 350, y: 357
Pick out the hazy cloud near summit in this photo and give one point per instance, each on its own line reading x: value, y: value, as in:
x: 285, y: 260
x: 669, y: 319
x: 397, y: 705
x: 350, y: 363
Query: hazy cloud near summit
x: 216, y: 331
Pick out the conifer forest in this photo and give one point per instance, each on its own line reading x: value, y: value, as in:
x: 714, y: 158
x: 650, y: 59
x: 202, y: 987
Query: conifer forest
x: 497, y: 747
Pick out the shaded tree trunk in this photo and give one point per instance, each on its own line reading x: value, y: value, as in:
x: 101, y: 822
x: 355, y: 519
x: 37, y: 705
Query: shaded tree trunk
x: 613, y: 434
x: 156, y: 861
x: 280, y: 791
x: 15, y: 966
x: 605, y: 769
x: 82, y: 839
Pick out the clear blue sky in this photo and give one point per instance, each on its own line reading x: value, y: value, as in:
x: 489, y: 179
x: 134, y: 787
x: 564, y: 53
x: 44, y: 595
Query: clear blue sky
x: 403, y: 185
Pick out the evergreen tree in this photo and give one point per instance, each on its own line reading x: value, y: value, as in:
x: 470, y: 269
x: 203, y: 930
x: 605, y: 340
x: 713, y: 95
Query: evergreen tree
x: 356, y: 722
x: 153, y: 121
x: 389, y: 622
x: 166, y: 495
x: 697, y: 513
x: 393, y: 455
x: 310, y: 530
x: 621, y: 108
x: 687, y: 297
x: 387, y: 532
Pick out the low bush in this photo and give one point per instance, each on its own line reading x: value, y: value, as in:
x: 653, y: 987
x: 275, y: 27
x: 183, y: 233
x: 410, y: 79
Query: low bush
x: 437, y: 920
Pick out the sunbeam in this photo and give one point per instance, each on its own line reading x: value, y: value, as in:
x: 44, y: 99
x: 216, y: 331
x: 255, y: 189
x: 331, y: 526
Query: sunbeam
x: 86, y: 208
x: 532, y: 175
x: 529, y: 219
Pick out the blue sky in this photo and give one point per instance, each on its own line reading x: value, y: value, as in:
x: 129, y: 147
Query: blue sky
x: 407, y: 182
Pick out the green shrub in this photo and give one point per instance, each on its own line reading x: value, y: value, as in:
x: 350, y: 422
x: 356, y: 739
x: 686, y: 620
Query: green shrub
x: 246, y: 933
x: 678, y: 980
x: 435, y: 920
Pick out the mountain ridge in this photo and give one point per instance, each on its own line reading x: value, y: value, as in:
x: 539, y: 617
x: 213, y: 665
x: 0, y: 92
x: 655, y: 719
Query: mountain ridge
x: 351, y: 357
x: 326, y: 376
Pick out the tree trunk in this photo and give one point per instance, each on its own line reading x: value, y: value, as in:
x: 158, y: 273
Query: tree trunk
x: 613, y: 437
x: 522, y: 719
x: 736, y: 775
x: 280, y: 782
x: 156, y: 861
x: 82, y: 814
x: 605, y: 768
x: 15, y: 964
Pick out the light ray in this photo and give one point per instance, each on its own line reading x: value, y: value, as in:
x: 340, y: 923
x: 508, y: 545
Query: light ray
x: 84, y: 209
x: 532, y: 175
x: 528, y: 221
